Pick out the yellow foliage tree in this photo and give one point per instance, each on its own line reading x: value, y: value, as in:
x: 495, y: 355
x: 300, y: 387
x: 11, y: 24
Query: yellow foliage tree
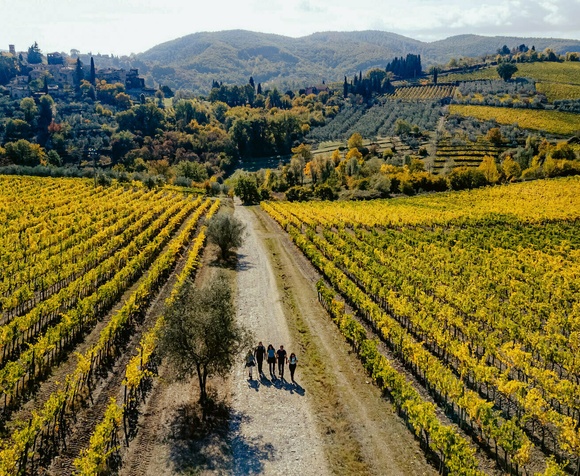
x: 336, y: 157
x: 355, y: 141
x: 489, y: 169
x: 303, y: 152
x: 354, y: 153
x: 511, y: 168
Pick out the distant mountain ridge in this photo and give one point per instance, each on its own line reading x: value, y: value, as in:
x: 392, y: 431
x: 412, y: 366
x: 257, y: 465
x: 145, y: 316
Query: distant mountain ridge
x: 232, y: 56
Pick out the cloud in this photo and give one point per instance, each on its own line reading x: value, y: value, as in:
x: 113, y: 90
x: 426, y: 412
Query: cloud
x: 511, y: 17
x: 122, y: 26
x: 306, y: 6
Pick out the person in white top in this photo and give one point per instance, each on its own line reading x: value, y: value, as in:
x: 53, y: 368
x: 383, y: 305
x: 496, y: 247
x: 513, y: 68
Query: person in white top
x: 250, y: 362
x: 292, y: 361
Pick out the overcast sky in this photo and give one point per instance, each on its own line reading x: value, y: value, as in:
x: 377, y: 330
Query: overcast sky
x: 132, y: 26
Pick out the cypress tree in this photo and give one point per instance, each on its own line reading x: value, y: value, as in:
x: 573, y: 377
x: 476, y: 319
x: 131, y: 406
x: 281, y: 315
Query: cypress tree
x: 93, y: 76
x: 79, y: 74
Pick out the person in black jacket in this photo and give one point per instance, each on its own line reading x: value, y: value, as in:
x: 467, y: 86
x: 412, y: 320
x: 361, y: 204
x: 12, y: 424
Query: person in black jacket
x: 282, y: 360
x: 260, y: 352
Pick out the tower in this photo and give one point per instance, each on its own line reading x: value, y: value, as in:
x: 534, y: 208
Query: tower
x: 12, y: 50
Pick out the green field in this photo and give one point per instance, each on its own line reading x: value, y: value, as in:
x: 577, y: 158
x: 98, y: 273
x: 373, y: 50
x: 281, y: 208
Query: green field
x: 556, y: 91
x: 554, y: 122
x: 556, y: 80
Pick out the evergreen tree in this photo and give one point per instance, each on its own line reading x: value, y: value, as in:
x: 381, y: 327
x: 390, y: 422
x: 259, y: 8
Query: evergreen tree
x: 93, y: 76
x: 79, y: 74
x: 252, y: 82
x: 34, y: 54
x: 409, y: 67
x: 259, y: 91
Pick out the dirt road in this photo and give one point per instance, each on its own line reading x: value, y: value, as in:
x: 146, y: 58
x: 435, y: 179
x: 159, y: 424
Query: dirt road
x: 341, y: 413
x: 273, y: 429
x: 333, y: 422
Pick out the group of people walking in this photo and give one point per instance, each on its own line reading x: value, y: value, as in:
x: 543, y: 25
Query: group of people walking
x: 260, y: 353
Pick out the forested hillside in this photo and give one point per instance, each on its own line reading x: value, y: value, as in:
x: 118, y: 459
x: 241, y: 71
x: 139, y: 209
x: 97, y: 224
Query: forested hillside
x: 194, y: 61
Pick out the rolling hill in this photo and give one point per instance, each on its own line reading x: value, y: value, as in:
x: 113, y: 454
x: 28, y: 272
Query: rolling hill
x: 194, y: 61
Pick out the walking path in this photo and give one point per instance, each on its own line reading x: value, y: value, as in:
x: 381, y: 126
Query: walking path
x: 273, y: 428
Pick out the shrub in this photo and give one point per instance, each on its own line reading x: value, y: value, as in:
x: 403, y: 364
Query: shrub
x: 150, y: 182
x: 264, y: 193
x: 381, y: 184
x: 407, y: 188
x: 182, y: 181
x: 103, y: 180
x: 359, y: 195
x: 214, y: 188
x: 324, y: 191
x: 298, y: 194
x: 532, y: 173
x: 465, y: 178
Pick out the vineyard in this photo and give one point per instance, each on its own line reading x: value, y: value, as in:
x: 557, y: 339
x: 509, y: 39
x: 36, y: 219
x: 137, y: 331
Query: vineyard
x: 423, y: 92
x: 80, y: 268
x: 554, y: 122
x: 470, y: 154
x: 474, y: 296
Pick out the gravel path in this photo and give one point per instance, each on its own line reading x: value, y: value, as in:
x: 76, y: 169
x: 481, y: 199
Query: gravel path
x: 273, y: 429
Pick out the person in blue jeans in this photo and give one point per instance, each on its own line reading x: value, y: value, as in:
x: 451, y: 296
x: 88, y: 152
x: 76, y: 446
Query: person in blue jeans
x: 271, y: 355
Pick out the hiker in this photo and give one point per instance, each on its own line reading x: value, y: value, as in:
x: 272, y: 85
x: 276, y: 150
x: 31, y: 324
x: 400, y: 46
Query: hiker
x: 292, y: 361
x: 282, y: 359
x: 259, y: 353
x: 250, y: 362
x: 271, y: 358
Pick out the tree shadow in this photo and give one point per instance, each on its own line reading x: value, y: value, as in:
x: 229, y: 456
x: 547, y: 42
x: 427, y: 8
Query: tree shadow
x: 230, y: 263
x: 249, y: 453
x: 212, y: 440
x: 198, y: 439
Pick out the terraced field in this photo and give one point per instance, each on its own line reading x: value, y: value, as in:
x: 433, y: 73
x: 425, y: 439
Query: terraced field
x: 449, y: 156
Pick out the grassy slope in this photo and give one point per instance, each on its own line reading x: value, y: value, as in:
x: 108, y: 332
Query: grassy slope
x: 555, y: 122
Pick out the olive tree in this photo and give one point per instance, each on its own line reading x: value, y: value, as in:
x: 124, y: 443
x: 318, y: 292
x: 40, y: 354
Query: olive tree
x: 201, y: 336
x: 225, y: 231
x: 506, y: 71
